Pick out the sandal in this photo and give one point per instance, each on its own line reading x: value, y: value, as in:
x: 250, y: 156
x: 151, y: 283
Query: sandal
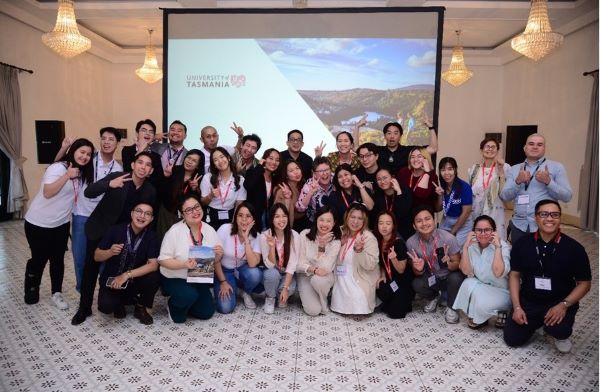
x: 473, y: 325
x: 501, y: 319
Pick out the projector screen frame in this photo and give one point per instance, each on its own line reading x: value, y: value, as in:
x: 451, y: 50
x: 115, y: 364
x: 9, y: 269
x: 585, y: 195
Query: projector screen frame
x: 362, y: 10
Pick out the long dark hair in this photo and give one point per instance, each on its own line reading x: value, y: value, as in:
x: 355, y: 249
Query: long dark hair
x: 384, y: 247
x: 282, y: 175
x: 312, y: 233
x: 178, y: 184
x: 345, y: 167
x: 456, y: 182
x: 234, y: 226
x: 287, y: 231
x: 214, y: 173
x: 275, y: 174
x: 87, y: 171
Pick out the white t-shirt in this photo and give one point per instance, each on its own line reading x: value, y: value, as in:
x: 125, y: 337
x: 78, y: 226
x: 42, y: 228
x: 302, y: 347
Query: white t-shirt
x: 294, y: 251
x: 176, y: 245
x: 228, y: 193
x: 55, y: 211
x: 232, y: 257
x: 85, y: 206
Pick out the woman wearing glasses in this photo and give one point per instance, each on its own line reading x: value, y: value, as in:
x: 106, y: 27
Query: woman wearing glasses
x: 193, y: 299
x: 316, y: 190
x: 486, y: 262
x: 420, y: 178
x: 487, y: 179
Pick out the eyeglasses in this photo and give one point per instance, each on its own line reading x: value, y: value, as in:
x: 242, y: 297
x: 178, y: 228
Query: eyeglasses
x: 323, y: 171
x: 487, y: 230
x: 365, y: 156
x: 190, y: 210
x: 547, y: 214
x: 147, y: 214
x: 490, y: 147
x: 295, y: 140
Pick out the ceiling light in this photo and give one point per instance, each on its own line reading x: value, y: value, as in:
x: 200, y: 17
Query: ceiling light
x: 150, y: 72
x: 457, y: 72
x: 538, y: 39
x: 65, y: 39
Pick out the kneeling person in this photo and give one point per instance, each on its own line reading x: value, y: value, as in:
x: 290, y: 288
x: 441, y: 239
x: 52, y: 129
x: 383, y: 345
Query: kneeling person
x: 130, y: 252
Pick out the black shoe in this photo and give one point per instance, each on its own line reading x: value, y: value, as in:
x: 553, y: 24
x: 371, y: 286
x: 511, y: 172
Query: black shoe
x: 32, y: 297
x: 120, y: 312
x: 142, y: 314
x: 80, y: 316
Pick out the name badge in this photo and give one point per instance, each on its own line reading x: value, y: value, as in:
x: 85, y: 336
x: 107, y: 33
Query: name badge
x: 543, y: 283
x: 236, y: 274
x: 394, y: 286
x: 523, y: 199
x: 223, y: 215
x: 431, y: 280
x: 340, y: 270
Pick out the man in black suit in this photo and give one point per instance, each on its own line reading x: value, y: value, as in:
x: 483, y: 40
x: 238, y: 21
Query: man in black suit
x: 145, y: 131
x: 122, y: 191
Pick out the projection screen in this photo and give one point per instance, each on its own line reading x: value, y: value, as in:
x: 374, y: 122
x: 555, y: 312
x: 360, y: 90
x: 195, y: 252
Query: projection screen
x: 316, y: 70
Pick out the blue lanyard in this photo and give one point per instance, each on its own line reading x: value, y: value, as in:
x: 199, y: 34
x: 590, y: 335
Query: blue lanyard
x: 535, y: 171
x: 446, y: 206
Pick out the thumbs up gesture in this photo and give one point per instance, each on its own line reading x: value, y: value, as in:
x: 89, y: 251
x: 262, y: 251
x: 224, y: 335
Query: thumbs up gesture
x: 543, y: 175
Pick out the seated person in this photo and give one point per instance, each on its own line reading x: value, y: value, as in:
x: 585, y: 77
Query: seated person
x: 185, y: 298
x: 486, y: 262
x: 129, y: 252
x: 435, y: 256
x: 549, y: 274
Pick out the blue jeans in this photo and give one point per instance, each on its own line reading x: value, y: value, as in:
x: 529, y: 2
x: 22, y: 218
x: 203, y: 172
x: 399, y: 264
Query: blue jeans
x: 249, y: 280
x: 462, y: 233
x: 78, y: 244
x: 193, y: 299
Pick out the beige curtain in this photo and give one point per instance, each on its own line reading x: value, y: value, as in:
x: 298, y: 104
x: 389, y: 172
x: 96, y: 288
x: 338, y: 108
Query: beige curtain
x: 588, y: 181
x: 10, y: 138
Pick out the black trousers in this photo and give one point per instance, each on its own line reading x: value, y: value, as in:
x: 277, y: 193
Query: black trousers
x: 91, y: 270
x: 451, y: 284
x: 140, y: 290
x: 45, y: 244
x: 517, y: 335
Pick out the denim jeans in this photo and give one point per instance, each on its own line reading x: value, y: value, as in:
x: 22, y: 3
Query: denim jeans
x: 249, y: 280
x: 78, y: 244
x: 462, y: 233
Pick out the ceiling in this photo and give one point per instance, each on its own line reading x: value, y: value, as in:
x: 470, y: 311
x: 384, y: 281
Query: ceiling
x: 117, y: 28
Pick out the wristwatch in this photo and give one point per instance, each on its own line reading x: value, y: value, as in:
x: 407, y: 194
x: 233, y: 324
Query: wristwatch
x: 566, y: 303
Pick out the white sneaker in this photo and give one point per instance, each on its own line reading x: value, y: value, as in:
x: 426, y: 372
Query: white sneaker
x: 431, y: 305
x: 269, y: 307
x: 59, y: 301
x: 564, y: 346
x: 248, y: 301
x: 451, y: 316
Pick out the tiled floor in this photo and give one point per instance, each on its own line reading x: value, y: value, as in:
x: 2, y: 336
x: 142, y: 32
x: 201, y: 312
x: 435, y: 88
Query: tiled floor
x: 251, y: 351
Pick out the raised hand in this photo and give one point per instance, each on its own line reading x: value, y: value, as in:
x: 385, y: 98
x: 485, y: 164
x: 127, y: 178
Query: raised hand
x: 471, y: 238
x: 120, y: 181
x: 446, y: 257
x: 495, y: 239
x: 270, y: 240
x: 216, y: 192
x: 194, y: 182
x: 72, y: 172
x: 158, y: 136
x: 319, y: 149
x: 426, y: 120
x: 362, y: 121
x: 67, y: 141
x: 396, y: 186
x: 237, y: 129
x: 392, y: 254
x: 285, y: 191
x: 324, y: 240
x: 543, y: 175
x: 168, y: 170
x: 218, y: 249
x: 426, y: 166
x: 417, y: 262
x: 359, y: 243
x: 438, y: 189
x: 116, y: 249
x: 357, y: 182
x: 523, y: 176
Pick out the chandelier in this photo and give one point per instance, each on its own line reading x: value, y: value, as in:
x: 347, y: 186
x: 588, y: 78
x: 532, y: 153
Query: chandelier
x: 538, y: 39
x: 150, y: 72
x: 65, y: 39
x: 457, y: 72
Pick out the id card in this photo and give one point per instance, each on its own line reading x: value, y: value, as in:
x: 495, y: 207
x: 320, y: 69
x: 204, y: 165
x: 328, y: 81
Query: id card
x: 236, y: 274
x: 523, y: 199
x: 431, y: 281
x: 394, y: 286
x: 543, y: 283
x: 340, y: 270
x: 223, y: 215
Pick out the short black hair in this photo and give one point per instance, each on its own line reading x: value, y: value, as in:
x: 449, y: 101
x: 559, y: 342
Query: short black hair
x: 487, y: 140
x: 387, y: 126
x: 320, y: 161
x: 541, y: 203
x: 146, y: 121
x: 487, y: 218
x: 347, y: 134
x: 295, y: 131
x: 254, y: 138
x: 370, y: 147
x: 418, y: 209
x: 112, y: 130
x: 144, y: 153
x: 179, y: 123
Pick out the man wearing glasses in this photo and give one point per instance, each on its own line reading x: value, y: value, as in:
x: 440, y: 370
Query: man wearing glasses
x: 129, y: 252
x: 368, y: 153
x: 527, y: 183
x: 295, y: 142
x: 549, y: 274
x: 122, y: 192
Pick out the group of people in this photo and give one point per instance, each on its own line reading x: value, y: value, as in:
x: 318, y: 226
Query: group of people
x: 350, y: 231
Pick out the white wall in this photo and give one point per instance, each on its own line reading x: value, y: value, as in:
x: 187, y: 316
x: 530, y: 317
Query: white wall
x: 554, y: 94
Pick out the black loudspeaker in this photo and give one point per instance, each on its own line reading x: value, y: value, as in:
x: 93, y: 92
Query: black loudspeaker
x: 49, y: 135
x: 516, y: 136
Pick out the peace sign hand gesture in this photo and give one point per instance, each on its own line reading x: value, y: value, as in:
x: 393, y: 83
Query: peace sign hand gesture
x: 319, y: 149
x: 120, y: 181
x: 417, y: 262
x: 438, y: 189
x: 194, y: 182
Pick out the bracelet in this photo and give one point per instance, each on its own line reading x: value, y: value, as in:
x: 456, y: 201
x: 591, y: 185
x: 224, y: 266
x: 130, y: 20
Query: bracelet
x: 518, y: 307
x: 129, y: 275
x: 223, y: 281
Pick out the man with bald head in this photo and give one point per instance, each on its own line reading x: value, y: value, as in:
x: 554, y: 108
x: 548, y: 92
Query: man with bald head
x: 210, y: 138
x: 529, y: 182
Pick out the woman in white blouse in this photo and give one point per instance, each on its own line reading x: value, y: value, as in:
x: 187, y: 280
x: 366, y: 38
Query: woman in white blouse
x: 193, y: 299
x: 239, y: 265
x: 221, y: 189
x: 319, y: 248
x: 280, y: 247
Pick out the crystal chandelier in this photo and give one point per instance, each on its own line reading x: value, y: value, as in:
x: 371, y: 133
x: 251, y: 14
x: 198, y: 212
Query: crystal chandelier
x: 538, y: 39
x: 457, y: 72
x: 65, y: 39
x: 150, y: 72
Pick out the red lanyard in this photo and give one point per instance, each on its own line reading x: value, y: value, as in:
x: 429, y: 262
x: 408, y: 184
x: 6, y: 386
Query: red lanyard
x: 236, y: 259
x: 224, y: 198
x: 75, y: 188
x: 200, y: 236
x: 347, y: 247
x: 425, y: 257
x: 280, y: 254
x: 388, y: 206
x: 410, y: 181
x: 344, y: 197
x: 386, y: 260
x: 486, y: 185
